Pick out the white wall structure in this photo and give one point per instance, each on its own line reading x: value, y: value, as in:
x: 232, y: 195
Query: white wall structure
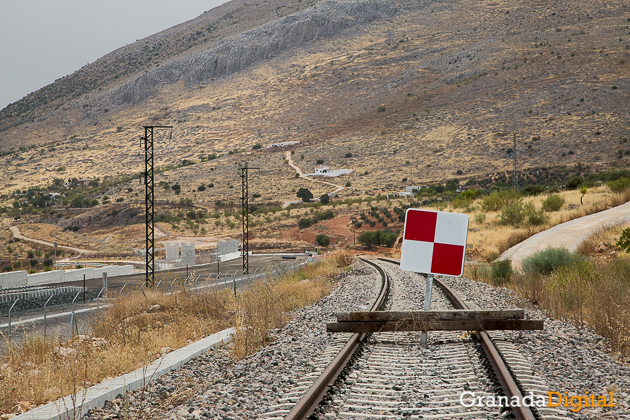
x: 172, y: 252
x: 56, y: 276
x: 75, y: 275
x: 13, y: 279
x: 21, y: 278
x: 229, y: 257
x: 326, y: 171
x: 188, y: 254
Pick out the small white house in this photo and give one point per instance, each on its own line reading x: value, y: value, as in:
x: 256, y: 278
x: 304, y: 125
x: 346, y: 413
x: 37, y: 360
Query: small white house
x: 326, y: 171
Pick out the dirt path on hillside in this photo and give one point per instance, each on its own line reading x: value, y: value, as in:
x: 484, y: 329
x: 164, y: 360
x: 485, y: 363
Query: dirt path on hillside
x: 338, y: 188
x: 567, y: 235
x: 16, y: 233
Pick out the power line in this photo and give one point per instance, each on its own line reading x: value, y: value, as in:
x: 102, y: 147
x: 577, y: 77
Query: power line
x: 149, y: 198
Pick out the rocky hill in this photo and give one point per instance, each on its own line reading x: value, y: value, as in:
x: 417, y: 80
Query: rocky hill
x: 414, y: 90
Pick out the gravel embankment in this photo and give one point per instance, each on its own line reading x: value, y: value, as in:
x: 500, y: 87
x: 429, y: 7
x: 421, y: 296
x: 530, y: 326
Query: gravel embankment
x: 570, y: 359
x: 37, y: 303
x: 216, y: 386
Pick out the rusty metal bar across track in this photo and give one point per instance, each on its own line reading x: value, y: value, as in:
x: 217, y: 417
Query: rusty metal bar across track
x: 311, y: 399
x: 507, y: 382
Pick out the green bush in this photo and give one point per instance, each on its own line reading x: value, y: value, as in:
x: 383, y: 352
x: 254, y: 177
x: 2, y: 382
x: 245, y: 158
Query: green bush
x: 501, y: 271
x: 513, y: 213
x: 378, y: 237
x: 304, y: 223
x: 537, y: 217
x: 549, y: 260
x: 573, y: 183
x: 624, y: 240
x: 499, y: 199
x: 322, y: 239
x: 619, y: 185
x: 553, y: 202
x: 480, y: 217
x: 533, y: 190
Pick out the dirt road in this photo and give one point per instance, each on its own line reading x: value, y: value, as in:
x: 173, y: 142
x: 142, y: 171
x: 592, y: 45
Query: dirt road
x: 567, y: 235
x: 301, y: 174
x: 16, y: 233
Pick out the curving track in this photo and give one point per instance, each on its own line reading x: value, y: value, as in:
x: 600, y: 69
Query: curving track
x: 391, y: 375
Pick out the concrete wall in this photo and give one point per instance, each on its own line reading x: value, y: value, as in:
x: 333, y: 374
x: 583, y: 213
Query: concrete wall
x: 111, y: 270
x: 125, y: 270
x: 56, y: 276
x: 21, y: 278
x: 229, y: 257
x: 13, y: 279
x: 75, y: 275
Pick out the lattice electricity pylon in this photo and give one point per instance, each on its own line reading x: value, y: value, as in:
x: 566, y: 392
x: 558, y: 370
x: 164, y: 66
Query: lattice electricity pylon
x: 245, y: 204
x: 149, y: 183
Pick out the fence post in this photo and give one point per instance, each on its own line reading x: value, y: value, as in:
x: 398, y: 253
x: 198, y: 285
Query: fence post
x: 98, y: 297
x: 46, y: 304
x: 72, y: 318
x: 11, y: 310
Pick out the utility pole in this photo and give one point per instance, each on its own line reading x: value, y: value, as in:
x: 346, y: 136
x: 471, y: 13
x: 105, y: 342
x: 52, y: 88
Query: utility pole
x: 149, y: 195
x: 515, y: 180
x: 245, y: 211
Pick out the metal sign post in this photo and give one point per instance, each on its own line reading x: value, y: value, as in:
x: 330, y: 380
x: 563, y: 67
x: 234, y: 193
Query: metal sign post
x: 427, y: 305
x: 434, y: 242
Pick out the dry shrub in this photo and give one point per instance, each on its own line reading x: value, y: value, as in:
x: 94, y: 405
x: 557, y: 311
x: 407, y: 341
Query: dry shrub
x: 590, y: 293
x: 266, y: 304
x: 343, y: 259
x: 139, y: 327
x: 517, y: 237
x: 607, y: 235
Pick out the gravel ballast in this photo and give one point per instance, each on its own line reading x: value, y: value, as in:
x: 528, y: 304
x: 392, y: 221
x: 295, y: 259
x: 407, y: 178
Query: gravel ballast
x: 216, y: 386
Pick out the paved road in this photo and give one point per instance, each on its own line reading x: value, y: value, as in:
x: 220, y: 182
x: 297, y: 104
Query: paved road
x: 567, y: 235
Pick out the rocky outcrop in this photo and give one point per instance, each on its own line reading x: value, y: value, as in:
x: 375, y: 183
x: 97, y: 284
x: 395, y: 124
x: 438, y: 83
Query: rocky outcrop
x: 237, y: 53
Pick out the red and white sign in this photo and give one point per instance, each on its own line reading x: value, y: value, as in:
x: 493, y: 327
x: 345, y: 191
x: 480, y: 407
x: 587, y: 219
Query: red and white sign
x: 434, y: 242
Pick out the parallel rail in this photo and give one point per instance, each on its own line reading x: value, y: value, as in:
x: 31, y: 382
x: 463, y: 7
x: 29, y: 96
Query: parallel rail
x: 502, y: 372
x: 325, y: 382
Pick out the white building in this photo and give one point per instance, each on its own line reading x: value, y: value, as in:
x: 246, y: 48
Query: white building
x: 326, y: 171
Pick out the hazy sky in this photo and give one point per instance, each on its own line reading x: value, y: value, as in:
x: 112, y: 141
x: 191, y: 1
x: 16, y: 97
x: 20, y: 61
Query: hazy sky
x: 43, y: 40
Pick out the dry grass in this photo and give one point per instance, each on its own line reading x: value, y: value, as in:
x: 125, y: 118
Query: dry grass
x: 593, y: 293
x: 492, y: 239
x: 602, y: 240
x: 141, y: 326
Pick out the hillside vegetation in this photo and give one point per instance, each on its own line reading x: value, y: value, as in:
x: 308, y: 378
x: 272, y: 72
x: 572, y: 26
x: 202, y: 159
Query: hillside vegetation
x: 413, y: 91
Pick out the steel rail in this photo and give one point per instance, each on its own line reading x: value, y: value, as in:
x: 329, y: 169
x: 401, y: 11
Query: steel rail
x: 305, y: 407
x: 502, y: 372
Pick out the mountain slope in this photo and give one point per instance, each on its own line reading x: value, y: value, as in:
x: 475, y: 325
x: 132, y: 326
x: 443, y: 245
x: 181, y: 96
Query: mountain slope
x: 417, y: 90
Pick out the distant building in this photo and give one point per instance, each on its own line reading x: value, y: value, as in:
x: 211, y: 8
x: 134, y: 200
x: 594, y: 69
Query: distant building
x: 409, y: 191
x: 283, y: 144
x: 326, y: 171
x: 414, y: 188
x: 462, y: 188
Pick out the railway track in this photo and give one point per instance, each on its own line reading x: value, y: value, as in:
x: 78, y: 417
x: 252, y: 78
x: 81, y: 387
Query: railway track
x: 390, y: 375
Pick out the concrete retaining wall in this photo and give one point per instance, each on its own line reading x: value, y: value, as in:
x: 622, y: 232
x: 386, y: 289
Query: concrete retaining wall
x: 20, y: 278
x: 56, y: 276
x: 111, y: 270
x: 125, y: 270
x: 13, y: 279
x: 75, y: 275
x: 229, y: 257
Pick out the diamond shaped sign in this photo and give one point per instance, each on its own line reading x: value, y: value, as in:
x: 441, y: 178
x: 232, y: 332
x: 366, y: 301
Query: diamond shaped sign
x: 434, y: 242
